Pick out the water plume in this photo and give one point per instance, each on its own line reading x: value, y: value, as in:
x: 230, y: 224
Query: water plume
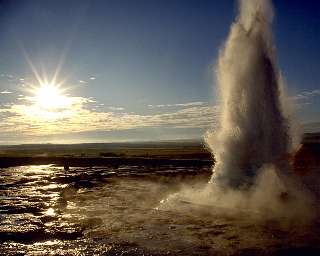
x: 254, y: 127
x: 256, y: 138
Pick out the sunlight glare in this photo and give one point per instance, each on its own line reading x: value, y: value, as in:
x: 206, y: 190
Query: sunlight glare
x: 48, y: 101
x: 50, y: 212
x: 49, y: 96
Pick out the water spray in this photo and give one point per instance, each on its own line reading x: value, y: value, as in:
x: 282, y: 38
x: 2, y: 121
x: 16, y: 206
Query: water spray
x: 254, y: 128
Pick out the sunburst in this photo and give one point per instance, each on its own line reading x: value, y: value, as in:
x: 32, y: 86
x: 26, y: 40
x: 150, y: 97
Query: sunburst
x: 48, y: 97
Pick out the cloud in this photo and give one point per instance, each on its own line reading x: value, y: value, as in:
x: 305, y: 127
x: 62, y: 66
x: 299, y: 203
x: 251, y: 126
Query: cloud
x: 190, y: 117
x: 115, y: 108
x: 196, y: 103
x: 26, y: 119
x: 89, y: 79
x: 9, y: 77
x: 306, y: 95
x: 5, y: 92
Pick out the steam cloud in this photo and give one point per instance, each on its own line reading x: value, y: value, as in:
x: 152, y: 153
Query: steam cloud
x: 256, y: 134
x: 254, y: 129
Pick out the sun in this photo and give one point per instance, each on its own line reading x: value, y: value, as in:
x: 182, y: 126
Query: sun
x: 48, y: 102
x: 50, y: 97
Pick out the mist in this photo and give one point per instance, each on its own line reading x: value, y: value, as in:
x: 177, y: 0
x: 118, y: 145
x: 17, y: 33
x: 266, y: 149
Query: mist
x: 257, y: 136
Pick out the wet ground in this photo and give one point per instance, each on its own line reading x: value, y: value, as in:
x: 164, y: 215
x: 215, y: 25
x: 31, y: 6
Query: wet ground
x: 45, y: 210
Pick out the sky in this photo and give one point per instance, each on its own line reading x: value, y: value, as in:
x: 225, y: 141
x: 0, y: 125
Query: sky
x: 102, y: 70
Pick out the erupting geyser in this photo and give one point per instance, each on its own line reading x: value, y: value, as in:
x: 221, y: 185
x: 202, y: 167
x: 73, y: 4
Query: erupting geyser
x: 255, y: 140
x: 254, y: 128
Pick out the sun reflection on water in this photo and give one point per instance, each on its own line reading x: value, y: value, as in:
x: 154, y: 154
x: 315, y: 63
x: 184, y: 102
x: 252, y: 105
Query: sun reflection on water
x: 50, y: 212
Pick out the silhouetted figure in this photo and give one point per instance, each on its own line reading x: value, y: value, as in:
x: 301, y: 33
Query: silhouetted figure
x: 66, y: 167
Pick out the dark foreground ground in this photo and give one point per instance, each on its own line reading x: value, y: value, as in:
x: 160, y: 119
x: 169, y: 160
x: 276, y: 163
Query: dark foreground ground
x: 120, y: 205
x: 125, y: 210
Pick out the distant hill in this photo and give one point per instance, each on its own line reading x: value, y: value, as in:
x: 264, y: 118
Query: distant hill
x: 183, y: 149
x: 311, y: 138
x: 162, y: 149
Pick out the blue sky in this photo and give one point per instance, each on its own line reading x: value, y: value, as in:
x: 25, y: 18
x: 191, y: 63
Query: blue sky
x: 137, y: 70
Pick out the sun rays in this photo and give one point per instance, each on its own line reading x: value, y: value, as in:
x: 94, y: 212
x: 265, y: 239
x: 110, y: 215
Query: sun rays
x: 48, y: 98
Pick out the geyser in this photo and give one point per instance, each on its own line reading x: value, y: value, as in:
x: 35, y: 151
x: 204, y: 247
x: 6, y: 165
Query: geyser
x: 254, y: 142
x: 254, y: 128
